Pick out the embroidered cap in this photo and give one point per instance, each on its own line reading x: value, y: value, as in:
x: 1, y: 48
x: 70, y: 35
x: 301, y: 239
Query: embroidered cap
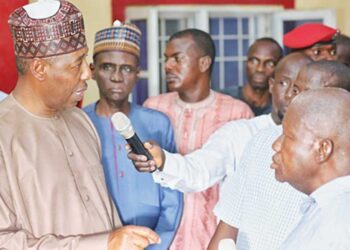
x: 122, y: 36
x: 308, y: 34
x: 47, y: 28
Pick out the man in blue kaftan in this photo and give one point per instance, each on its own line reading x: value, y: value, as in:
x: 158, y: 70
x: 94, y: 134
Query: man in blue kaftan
x: 139, y: 200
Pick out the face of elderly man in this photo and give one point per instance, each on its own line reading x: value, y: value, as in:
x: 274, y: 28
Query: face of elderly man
x: 65, y: 77
x: 294, y: 161
x: 311, y: 150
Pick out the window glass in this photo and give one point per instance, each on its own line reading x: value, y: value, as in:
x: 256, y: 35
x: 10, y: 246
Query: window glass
x: 230, y: 26
x: 230, y: 47
x: 214, y: 26
x: 245, y: 26
x: 171, y: 26
x: 140, y: 92
x: 231, y: 74
x: 215, y: 77
x: 142, y: 25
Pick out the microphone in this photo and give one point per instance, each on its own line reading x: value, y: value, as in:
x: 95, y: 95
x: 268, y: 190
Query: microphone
x: 122, y: 124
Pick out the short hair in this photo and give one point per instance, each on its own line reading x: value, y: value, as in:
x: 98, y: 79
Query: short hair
x: 21, y: 65
x: 340, y: 71
x: 343, y: 41
x: 202, y: 39
x: 269, y: 40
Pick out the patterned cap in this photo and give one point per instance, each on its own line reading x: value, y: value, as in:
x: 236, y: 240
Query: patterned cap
x: 122, y: 36
x: 308, y: 34
x: 57, y: 34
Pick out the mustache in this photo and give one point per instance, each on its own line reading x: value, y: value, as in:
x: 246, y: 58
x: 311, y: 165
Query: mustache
x: 171, y: 76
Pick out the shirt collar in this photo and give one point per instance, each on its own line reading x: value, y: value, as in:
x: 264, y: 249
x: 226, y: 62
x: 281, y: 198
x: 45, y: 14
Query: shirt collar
x: 324, y: 194
x: 197, y: 105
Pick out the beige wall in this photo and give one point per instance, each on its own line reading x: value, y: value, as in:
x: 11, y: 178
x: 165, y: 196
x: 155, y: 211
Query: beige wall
x: 342, y: 8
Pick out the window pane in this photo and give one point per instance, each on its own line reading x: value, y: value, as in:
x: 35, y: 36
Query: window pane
x: 215, y: 77
x: 231, y: 47
x: 160, y: 50
x: 171, y: 26
x: 141, y: 24
x: 217, y: 47
x: 245, y: 26
x: 230, y: 26
x: 231, y: 74
x: 140, y: 92
x: 244, y: 73
x: 245, y: 47
x: 214, y: 26
x: 162, y: 87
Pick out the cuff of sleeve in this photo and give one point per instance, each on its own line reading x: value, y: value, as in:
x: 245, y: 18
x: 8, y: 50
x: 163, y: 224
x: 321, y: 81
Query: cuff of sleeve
x: 161, y: 178
x: 96, y: 242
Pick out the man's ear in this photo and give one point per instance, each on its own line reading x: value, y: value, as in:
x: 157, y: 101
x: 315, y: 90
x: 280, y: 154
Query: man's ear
x: 324, y: 151
x: 271, y: 83
x: 204, y: 63
x: 92, y: 68
x: 138, y: 73
x: 38, y: 67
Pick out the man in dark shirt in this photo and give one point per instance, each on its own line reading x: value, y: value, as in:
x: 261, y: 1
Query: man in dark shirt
x: 263, y: 55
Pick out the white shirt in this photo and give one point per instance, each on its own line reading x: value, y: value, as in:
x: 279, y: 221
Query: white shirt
x: 263, y: 209
x: 217, y: 158
x: 2, y: 95
x: 326, y: 223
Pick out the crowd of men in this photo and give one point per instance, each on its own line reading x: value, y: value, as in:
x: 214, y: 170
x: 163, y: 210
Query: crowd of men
x: 265, y: 164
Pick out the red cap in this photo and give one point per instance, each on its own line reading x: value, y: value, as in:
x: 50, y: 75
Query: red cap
x: 307, y: 35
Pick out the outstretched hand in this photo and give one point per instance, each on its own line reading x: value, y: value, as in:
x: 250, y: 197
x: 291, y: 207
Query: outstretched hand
x: 140, y: 161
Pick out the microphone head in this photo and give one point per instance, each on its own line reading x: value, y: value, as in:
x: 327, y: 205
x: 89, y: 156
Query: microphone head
x: 122, y: 124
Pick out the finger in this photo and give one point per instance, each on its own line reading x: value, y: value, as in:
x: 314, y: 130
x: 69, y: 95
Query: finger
x: 135, y: 157
x: 148, y: 145
x: 148, y: 233
x: 147, y: 169
x: 140, y: 241
x: 127, y: 148
x: 143, y: 164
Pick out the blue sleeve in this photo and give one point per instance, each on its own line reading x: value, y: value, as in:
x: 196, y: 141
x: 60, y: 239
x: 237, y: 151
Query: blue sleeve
x: 168, y: 139
x: 169, y: 219
x: 171, y: 200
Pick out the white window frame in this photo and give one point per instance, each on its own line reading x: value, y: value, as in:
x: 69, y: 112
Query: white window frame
x: 270, y: 22
x: 201, y: 14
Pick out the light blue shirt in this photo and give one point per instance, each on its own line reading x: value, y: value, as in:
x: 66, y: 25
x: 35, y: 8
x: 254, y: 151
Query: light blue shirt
x: 264, y: 210
x: 139, y: 200
x: 2, y: 95
x: 326, y: 222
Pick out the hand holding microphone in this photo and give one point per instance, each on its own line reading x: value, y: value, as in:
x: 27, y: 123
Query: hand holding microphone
x: 144, y: 159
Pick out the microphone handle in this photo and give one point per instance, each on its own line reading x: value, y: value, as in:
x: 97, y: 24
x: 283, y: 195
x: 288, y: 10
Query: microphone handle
x: 137, y: 146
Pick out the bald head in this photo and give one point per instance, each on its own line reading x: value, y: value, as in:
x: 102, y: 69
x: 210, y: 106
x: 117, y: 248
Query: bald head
x: 323, y: 74
x: 296, y: 60
x: 325, y: 111
x: 314, y: 147
x: 325, y: 114
x: 343, y: 49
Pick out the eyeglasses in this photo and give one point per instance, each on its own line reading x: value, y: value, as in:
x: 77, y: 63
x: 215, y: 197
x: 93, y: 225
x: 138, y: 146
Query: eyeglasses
x: 123, y: 69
